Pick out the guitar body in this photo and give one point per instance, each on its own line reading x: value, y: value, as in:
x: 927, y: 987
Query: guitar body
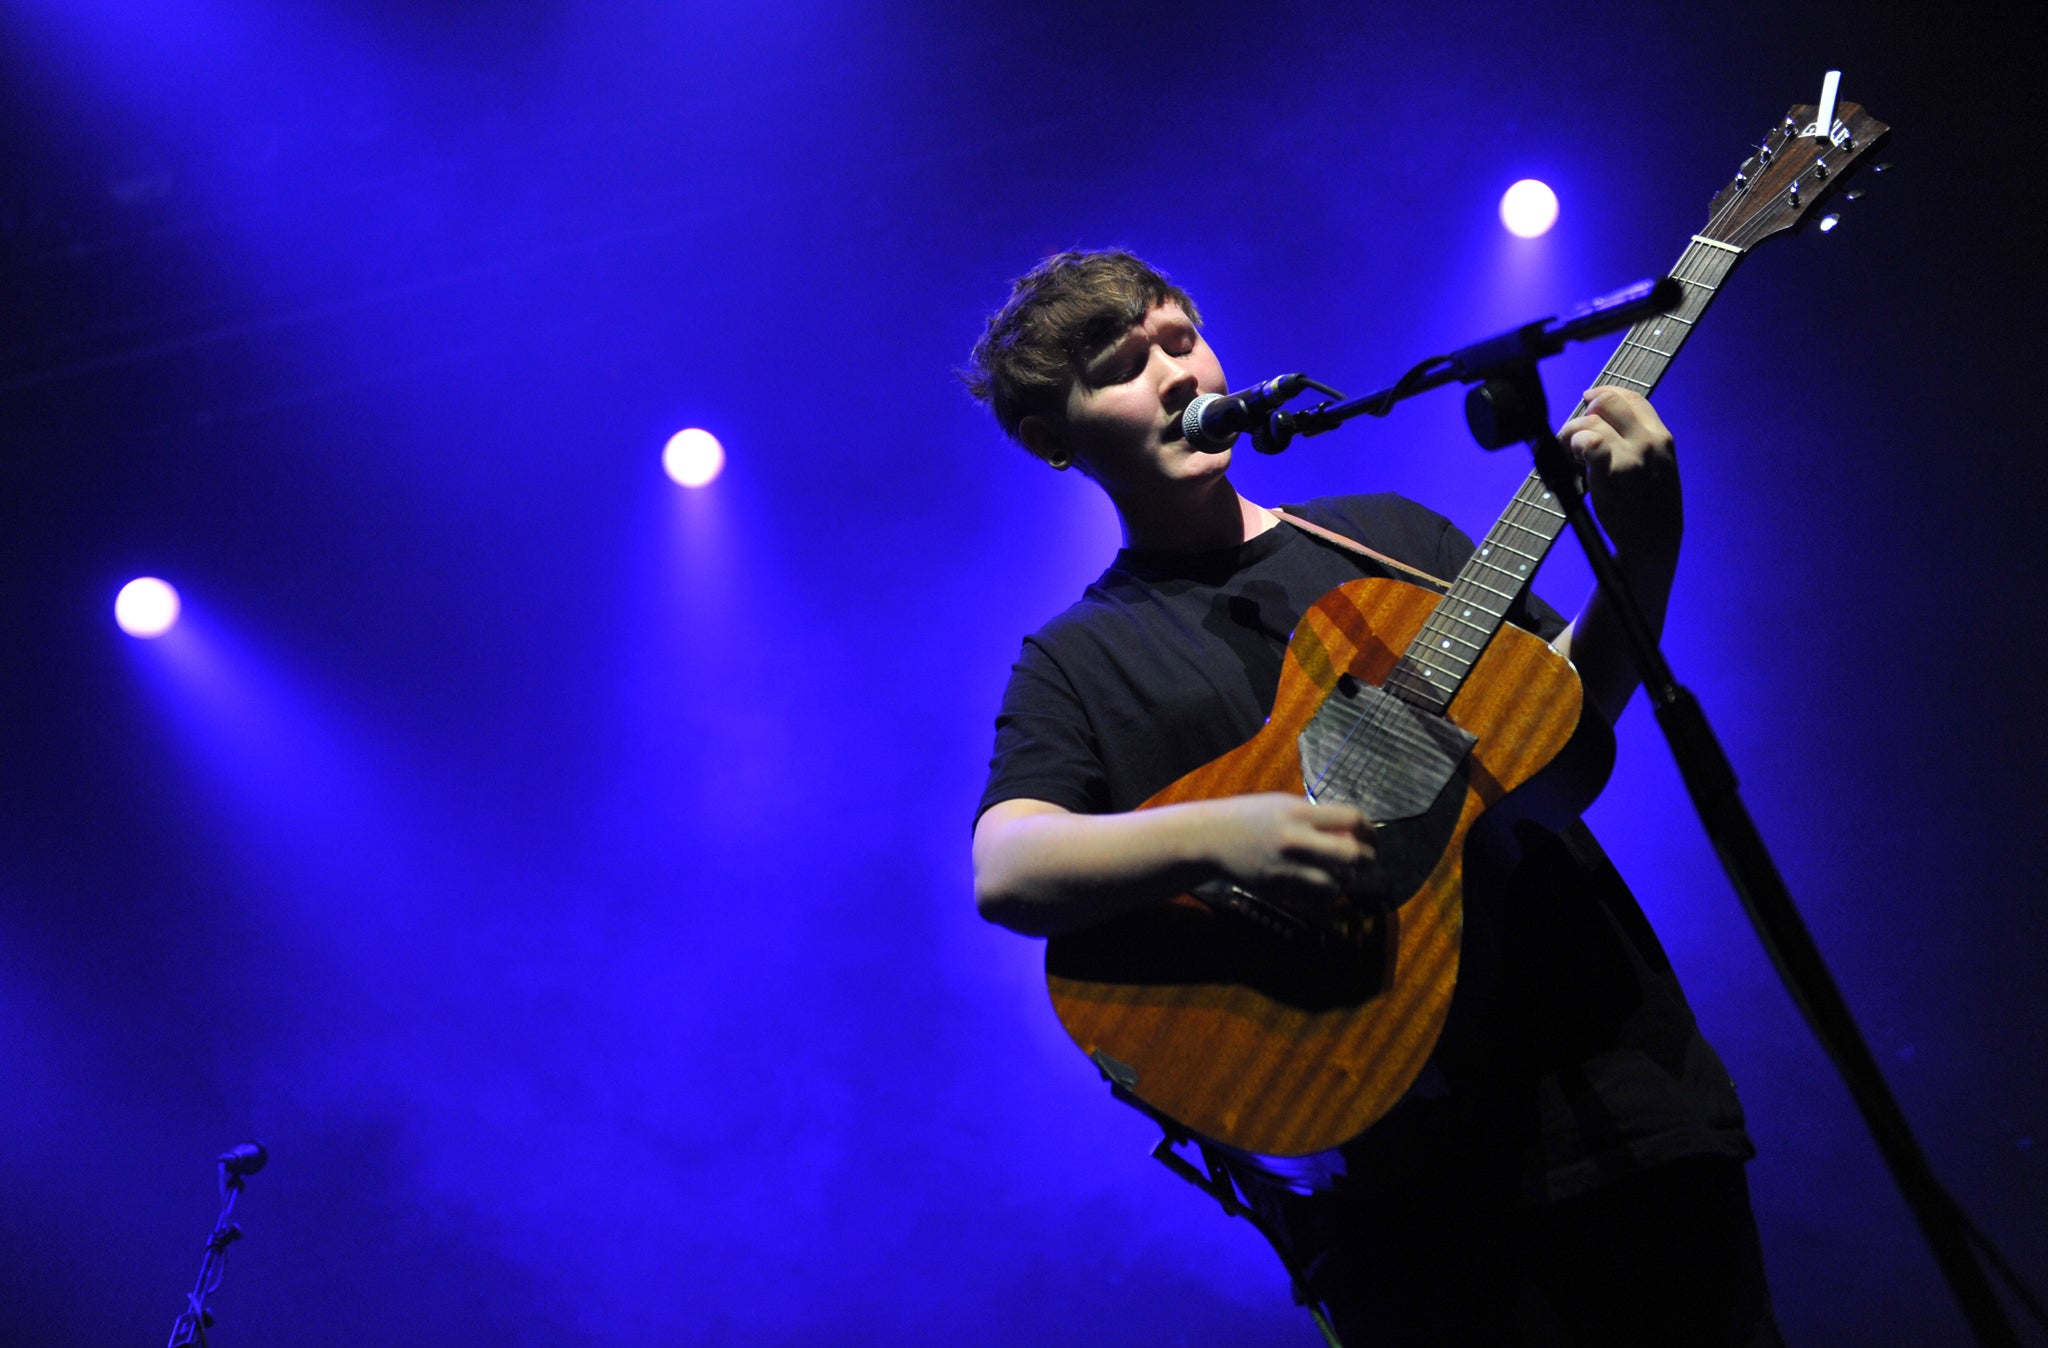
x: 1245, y: 1038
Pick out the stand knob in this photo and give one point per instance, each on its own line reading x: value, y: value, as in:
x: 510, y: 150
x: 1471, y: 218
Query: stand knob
x: 1498, y: 414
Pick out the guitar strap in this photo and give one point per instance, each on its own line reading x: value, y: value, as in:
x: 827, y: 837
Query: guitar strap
x: 1352, y: 545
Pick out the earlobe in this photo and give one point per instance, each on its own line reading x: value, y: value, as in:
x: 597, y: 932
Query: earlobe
x: 1046, y: 442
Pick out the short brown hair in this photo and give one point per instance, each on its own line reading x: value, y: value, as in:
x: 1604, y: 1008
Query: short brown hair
x: 1059, y: 313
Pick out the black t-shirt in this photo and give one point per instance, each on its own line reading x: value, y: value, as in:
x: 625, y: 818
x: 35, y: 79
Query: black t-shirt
x: 1571, y: 1055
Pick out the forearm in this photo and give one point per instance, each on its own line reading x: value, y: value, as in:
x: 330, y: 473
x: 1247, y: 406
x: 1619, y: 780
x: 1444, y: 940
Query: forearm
x: 1046, y: 871
x: 1597, y: 644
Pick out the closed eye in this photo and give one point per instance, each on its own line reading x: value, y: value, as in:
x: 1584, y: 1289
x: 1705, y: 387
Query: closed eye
x: 1121, y: 363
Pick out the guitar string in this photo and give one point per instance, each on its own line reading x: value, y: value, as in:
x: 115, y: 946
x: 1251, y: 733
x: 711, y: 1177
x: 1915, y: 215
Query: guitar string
x: 1636, y: 361
x: 1643, y: 358
x: 1640, y: 358
x: 1437, y: 630
x: 1701, y: 272
x: 1699, y: 269
x: 1636, y: 357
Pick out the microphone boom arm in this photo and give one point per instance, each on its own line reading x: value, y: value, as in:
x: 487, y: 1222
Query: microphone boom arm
x: 1514, y: 350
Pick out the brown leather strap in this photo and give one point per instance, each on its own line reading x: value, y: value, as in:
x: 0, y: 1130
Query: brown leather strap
x: 1351, y: 545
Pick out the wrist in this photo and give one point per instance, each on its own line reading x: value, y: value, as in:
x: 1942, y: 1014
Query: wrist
x: 1200, y: 839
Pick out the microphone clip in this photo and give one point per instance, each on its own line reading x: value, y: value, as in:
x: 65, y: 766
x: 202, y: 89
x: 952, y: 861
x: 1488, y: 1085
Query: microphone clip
x: 1213, y: 421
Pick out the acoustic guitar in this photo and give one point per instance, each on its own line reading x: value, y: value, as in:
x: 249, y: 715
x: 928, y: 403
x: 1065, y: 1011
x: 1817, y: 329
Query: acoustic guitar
x: 1251, y: 1025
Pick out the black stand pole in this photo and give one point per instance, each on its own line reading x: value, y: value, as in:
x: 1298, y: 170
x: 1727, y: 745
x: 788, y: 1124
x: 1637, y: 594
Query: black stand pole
x: 1510, y: 406
x: 235, y: 1164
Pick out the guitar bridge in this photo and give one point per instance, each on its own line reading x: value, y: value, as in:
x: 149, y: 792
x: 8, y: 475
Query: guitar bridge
x: 1335, y: 961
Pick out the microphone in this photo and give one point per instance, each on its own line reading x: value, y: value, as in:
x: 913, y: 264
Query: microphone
x: 244, y: 1158
x: 1213, y: 421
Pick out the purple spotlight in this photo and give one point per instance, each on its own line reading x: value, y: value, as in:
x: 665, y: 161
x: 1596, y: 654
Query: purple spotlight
x: 693, y: 457
x: 1528, y: 209
x: 146, y: 607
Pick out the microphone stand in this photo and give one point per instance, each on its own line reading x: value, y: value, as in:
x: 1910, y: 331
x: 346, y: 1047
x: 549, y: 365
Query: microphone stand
x: 235, y: 1165
x: 1508, y: 405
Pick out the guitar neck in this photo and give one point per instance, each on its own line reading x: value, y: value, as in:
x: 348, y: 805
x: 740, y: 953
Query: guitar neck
x: 1456, y: 634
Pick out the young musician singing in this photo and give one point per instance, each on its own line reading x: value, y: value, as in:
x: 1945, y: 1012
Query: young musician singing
x: 1568, y: 1169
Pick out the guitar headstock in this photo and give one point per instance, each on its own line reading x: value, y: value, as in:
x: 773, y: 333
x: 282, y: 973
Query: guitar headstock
x: 1798, y: 166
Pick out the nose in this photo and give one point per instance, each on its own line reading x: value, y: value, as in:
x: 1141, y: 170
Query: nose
x: 1177, y: 383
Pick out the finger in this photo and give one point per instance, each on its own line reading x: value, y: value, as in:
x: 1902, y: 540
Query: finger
x: 1588, y: 443
x: 1588, y: 430
x: 1331, y: 851
x: 1620, y: 408
x: 1633, y: 418
x: 1588, y: 438
x: 1339, y: 819
x: 1641, y: 414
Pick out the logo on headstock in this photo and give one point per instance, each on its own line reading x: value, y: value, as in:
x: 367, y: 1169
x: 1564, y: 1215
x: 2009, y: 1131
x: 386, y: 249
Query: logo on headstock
x: 1839, y: 136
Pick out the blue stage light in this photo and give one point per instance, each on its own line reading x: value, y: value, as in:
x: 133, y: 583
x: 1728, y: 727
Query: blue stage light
x: 693, y: 457
x: 1528, y: 209
x: 146, y: 607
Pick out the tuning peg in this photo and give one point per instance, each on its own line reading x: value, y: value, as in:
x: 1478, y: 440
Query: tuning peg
x: 1829, y: 221
x: 1853, y: 194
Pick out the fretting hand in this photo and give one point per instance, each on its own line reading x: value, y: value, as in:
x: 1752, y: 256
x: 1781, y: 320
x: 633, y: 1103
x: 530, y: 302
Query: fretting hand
x: 1631, y: 473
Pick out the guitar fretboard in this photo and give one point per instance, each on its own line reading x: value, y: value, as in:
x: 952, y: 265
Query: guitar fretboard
x: 1456, y: 634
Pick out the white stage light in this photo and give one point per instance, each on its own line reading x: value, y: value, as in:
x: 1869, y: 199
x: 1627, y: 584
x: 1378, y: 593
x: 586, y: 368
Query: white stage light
x: 146, y: 607
x: 693, y: 457
x: 1528, y: 209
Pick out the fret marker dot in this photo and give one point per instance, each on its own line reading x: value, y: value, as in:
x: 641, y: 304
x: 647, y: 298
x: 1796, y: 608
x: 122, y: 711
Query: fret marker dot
x: 1523, y: 567
x: 1447, y: 645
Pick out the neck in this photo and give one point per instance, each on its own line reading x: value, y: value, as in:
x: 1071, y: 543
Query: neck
x: 1216, y: 517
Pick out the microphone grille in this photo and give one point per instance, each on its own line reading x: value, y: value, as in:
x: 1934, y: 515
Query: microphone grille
x: 1191, y: 424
